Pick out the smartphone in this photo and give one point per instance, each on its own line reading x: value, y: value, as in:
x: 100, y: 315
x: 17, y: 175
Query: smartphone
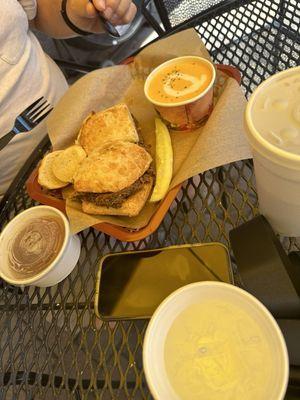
x: 131, y: 285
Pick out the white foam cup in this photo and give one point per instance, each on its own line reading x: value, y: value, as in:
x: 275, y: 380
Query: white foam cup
x: 217, y: 358
x: 277, y: 171
x: 60, y: 267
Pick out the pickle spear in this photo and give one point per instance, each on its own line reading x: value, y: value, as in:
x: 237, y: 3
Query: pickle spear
x: 164, y: 161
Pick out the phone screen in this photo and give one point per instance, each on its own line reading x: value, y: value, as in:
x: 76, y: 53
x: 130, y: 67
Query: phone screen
x: 132, y: 285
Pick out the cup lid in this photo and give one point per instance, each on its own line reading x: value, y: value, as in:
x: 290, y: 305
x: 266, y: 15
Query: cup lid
x: 213, y: 340
x: 256, y: 139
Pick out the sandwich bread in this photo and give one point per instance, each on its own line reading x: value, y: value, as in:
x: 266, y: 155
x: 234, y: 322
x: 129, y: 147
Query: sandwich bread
x: 46, y: 177
x: 115, y: 123
x: 112, y: 168
x: 66, y: 164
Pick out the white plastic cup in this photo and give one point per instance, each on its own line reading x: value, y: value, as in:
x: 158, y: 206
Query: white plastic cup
x: 61, y: 266
x: 196, y: 293
x: 277, y: 171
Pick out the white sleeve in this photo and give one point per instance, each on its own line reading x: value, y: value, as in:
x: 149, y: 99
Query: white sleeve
x: 29, y: 7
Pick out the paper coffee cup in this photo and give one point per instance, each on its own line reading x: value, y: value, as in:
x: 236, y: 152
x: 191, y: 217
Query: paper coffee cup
x: 277, y: 170
x: 59, y: 268
x: 212, y: 340
x: 188, y: 114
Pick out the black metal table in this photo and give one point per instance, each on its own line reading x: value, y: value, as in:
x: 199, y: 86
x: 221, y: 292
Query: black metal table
x: 51, y: 344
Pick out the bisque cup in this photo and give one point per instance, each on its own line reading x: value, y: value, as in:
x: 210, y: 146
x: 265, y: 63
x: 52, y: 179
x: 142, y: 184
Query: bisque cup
x: 189, y: 114
x: 61, y: 266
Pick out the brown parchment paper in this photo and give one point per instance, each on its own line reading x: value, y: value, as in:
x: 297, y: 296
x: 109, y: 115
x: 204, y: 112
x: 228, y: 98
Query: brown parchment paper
x: 219, y: 141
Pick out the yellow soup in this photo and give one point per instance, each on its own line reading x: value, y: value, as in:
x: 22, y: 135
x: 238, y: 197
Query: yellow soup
x: 221, y: 354
x: 180, y: 81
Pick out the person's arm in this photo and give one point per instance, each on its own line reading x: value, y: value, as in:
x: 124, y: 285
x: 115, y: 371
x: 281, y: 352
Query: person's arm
x: 83, y: 14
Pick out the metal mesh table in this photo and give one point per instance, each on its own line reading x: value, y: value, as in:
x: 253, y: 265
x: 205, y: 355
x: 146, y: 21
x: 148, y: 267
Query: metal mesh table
x: 51, y: 344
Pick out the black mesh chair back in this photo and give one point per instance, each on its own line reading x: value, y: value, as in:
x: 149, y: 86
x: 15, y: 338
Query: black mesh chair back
x: 259, y: 37
x: 175, y: 14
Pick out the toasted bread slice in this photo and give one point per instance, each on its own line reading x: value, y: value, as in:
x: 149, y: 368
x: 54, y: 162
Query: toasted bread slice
x: 46, y: 177
x: 66, y: 164
x: 112, y: 168
x: 115, y: 123
x: 130, y: 208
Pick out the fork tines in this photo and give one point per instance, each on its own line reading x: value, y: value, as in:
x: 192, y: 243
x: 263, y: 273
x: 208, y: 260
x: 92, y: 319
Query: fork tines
x: 41, y: 115
x: 29, y: 108
x: 37, y: 111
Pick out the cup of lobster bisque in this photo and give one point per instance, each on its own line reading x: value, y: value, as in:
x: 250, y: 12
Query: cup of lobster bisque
x: 181, y: 91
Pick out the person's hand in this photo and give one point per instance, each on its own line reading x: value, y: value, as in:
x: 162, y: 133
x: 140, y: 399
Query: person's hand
x: 118, y: 12
x: 84, y: 13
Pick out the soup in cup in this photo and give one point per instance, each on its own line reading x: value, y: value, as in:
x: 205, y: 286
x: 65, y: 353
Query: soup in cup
x: 181, y: 91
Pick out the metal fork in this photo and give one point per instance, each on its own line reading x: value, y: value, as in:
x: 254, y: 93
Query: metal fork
x: 28, y: 119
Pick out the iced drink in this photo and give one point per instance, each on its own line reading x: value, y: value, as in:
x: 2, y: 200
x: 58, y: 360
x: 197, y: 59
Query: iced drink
x: 273, y: 129
x: 276, y: 113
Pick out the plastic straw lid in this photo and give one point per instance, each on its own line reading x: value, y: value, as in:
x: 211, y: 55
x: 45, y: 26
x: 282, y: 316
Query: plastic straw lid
x: 257, y: 141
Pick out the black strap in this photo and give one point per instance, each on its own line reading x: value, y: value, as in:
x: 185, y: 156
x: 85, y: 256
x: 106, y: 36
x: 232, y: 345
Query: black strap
x: 265, y: 269
x: 274, y: 278
x: 70, y: 24
x: 291, y: 332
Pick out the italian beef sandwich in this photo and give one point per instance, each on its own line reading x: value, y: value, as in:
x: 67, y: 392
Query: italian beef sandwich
x: 115, y: 179
x: 109, y: 168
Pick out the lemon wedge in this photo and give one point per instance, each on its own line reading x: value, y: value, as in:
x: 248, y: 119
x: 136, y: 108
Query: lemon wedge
x: 164, y: 161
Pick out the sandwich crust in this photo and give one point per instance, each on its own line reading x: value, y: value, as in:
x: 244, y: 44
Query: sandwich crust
x: 112, y: 168
x: 66, y: 164
x: 46, y: 177
x: 115, y: 123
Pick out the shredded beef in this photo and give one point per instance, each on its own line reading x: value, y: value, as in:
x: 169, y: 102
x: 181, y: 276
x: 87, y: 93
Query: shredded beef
x: 57, y: 193
x: 116, y: 200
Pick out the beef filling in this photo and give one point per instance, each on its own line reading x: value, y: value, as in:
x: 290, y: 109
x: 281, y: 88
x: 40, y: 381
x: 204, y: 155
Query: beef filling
x: 116, y: 200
